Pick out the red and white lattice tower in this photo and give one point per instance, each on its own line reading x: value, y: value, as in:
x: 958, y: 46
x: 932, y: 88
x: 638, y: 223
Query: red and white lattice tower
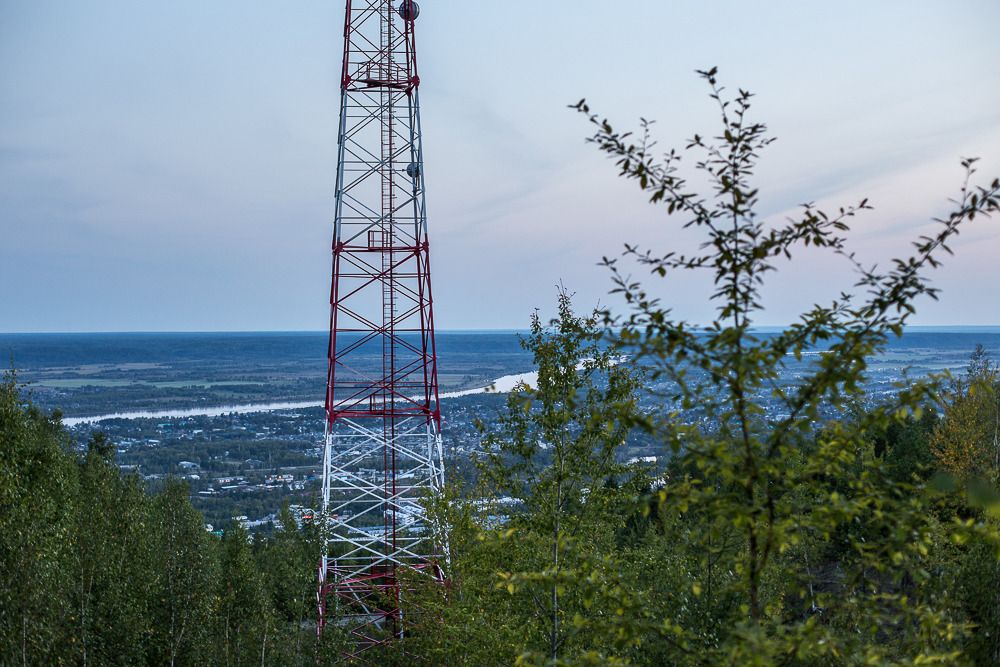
x: 382, y: 454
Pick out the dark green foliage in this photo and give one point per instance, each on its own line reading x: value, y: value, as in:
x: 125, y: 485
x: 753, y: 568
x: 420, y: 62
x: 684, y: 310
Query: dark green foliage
x: 244, y: 617
x: 977, y: 588
x: 38, y: 485
x: 183, y: 576
x: 94, y: 571
x: 288, y: 562
x: 905, y: 445
x: 110, y: 562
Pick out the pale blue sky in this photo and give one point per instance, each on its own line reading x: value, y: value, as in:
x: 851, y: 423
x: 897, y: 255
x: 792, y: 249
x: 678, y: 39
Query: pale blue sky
x: 169, y: 165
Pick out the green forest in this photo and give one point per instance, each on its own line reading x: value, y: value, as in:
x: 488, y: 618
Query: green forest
x: 832, y: 531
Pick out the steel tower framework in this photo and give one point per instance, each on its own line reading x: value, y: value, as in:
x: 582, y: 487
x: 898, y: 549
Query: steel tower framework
x: 382, y: 451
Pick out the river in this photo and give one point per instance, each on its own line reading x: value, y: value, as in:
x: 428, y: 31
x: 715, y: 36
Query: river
x: 502, y: 384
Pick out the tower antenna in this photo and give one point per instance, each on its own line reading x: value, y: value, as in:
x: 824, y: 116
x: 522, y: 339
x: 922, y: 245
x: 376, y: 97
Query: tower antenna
x: 382, y: 453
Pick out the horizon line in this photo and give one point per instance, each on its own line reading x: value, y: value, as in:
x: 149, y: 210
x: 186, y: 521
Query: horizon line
x: 471, y: 330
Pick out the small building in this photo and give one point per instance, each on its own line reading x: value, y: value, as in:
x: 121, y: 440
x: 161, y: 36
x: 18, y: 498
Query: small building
x: 232, y: 480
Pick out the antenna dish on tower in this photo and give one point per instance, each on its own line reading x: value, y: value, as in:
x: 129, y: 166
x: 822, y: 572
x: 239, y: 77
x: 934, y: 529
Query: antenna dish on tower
x: 409, y: 10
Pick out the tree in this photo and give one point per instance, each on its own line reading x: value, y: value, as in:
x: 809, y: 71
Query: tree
x: 184, y: 573
x: 967, y: 441
x: 905, y: 445
x: 244, y: 615
x: 470, y: 621
x: 545, y: 513
x: 37, y: 496
x: 783, y: 481
x: 287, y: 562
x: 553, y: 454
x: 109, y: 561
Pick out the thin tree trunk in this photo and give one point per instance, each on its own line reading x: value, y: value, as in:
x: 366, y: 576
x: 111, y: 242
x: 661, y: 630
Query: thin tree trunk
x: 754, y: 576
x: 554, y: 637
x: 996, y: 435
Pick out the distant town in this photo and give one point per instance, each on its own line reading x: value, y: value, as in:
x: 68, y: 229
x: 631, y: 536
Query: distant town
x: 244, y: 467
